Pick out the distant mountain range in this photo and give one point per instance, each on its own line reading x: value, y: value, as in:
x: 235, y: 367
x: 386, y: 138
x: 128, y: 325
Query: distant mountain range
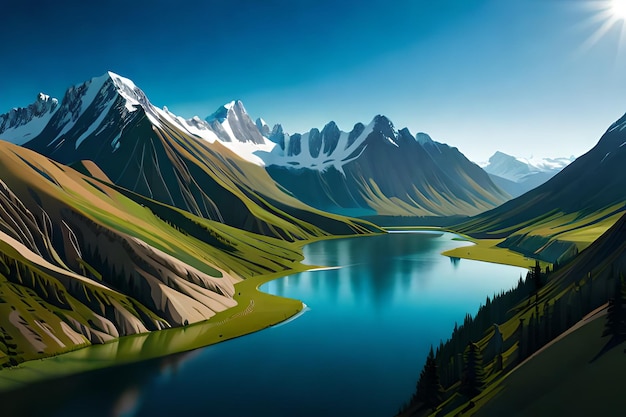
x: 517, y: 175
x: 371, y: 170
x: 562, y: 216
x: 152, y: 153
x: 374, y: 169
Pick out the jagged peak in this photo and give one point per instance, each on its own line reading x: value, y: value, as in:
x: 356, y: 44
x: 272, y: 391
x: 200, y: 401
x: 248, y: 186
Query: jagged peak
x: 358, y: 125
x: 380, y: 119
x: 263, y: 127
x: 128, y: 90
x: 278, y: 128
x: 331, y: 125
x: 499, y: 154
x: 13, y: 124
x: 222, y: 111
x: 423, y: 138
x: 43, y: 103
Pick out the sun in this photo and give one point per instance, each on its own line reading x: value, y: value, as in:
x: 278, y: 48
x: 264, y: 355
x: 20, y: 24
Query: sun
x: 608, y: 14
x: 618, y: 9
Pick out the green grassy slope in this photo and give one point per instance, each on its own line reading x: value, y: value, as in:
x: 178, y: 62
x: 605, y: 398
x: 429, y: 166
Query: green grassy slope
x: 155, y: 158
x: 566, y: 214
x: 83, y: 262
x: 575, y: 376
x: 582, y: 286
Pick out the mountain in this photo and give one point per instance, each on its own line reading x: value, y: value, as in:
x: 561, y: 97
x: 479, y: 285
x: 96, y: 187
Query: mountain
x: 82, y: 263
x: 23, y: 124
x: 118, y: 218
x: 193, y: 164
x: 564, y: 215
x: 202, y: 166
x: 377, y: 170
x: 518, y: 175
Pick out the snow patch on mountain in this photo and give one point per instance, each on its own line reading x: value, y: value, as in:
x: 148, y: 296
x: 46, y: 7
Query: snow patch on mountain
x: 203, y: 130
x: 22, y: 124
x: 344, y: 151
x: 127, y: 88
x: 98, y: 123
x: 423, y: 138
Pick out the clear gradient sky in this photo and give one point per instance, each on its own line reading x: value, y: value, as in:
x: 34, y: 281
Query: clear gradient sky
x: 521, y: 76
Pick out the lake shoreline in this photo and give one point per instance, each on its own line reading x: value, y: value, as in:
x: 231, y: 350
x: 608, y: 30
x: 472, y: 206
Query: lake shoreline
x: 372, y: 287
x: 484, y: 250
x: 255, y: 311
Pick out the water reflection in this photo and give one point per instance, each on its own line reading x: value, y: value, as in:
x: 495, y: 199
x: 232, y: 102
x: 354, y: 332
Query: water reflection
x: 359, y: 349
x: 114, y: 392
x: 374, y: 269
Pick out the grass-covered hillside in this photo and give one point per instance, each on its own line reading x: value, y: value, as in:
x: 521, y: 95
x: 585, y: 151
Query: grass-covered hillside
x: 83, y: 261
x: 560, y: 218
x: 551, y: 346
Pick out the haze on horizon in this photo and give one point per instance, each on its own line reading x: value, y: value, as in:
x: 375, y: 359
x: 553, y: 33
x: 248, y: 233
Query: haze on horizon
x: 526, y: 77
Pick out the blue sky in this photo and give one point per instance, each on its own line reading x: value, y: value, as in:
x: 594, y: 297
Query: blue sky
x: 519, y: 76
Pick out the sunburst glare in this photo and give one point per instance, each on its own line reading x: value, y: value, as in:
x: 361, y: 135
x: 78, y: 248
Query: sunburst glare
x: 608, y: 14
x: 618, y: 9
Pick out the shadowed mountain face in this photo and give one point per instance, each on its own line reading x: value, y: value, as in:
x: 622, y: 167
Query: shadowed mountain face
x: 587, y: 196
x: 151, y: 152
x: 375, y: 169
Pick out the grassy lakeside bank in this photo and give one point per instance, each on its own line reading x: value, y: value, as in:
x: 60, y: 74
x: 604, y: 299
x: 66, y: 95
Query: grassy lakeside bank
x: 255, y: 310
x: 485, y: 250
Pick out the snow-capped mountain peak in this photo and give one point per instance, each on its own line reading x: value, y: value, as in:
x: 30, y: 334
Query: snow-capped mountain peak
x: 83, y: 112
x: 263, y: 127
x: 423, y: 138
x: 519, y: 169
x: 20, y: 125
x: 232, y: 123
x: 127, y: 89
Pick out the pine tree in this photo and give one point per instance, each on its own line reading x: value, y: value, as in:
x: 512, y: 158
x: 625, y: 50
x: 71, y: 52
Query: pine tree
x: 536, y: 275
x: 429, y: 390
x: 616, y: 316
x: 473, y: 379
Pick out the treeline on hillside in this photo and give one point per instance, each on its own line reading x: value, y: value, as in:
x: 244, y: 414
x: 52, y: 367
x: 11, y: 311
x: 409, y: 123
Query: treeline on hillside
x: 508, y: 329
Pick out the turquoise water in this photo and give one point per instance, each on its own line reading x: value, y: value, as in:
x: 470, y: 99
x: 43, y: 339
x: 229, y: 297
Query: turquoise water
x: 357, y: 349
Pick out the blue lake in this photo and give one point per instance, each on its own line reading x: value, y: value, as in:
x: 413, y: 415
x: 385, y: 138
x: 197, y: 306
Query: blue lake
x: 357, y: 349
